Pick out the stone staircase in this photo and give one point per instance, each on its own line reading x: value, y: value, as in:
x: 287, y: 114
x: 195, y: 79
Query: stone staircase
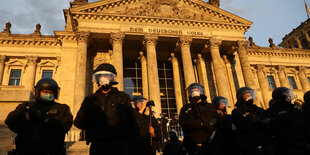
x: 78, y: 148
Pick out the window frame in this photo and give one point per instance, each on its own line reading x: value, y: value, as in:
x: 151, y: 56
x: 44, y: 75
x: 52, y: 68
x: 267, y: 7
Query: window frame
x: 274, y: 82
x: 47, y: 69
x: 293, y: 77
x: 20, y: 77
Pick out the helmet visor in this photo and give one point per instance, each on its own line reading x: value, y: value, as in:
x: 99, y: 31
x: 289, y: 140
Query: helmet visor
x: 194, y: 91
x: 225, y: 101
x: 289, y: 95
x: 248, y: 95
x: 104, y: 77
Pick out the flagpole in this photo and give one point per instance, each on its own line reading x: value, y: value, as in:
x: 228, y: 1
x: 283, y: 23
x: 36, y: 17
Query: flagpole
x: 307, y: 9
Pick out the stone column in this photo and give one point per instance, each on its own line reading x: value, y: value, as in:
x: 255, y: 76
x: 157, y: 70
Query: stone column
x: 303, y: 78
x: 80, y: 81
x: 219, y: 71
x: 282, y: 77
x: 298, y: 42
x: 264, y: 87
x: 245, y: 65
x: 150, y: 42
x: 117, y: 42
x: 177, y: 82
x: 203, y: 76
x: 187, y: 63
x: 307, y: 37
x: 231, y: 82
x: 2, y: 60
x: 145, y: 88
x: 31, y: 72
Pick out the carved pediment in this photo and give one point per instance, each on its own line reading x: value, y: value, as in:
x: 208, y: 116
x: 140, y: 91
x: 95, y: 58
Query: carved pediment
x: 175, y: 9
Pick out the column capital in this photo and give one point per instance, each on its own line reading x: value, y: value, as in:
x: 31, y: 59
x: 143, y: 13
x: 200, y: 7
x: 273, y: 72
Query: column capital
x: 31, y: 60
x: 83, y: 36
x: 2, y: 59
x: 301, y: 68
x: 173, y: 59
x: 117, y: 38
x: 260, y: 67
x: 214, y: 43
x: 142, y: 57
x: 241, y: 44
x: 281, y: 68
x: 150, y: 39
x: 185, y: 41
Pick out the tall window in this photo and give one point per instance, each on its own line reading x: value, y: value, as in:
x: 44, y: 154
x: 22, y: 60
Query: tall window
x: 309, y: 79
x: 292, y: 82
x: 272, y: 84
x: 167, y: 96
x: 15, y: 77
x: 47, y: 74
x: 132, y: 78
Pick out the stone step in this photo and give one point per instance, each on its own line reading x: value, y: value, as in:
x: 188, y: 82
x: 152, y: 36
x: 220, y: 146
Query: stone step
x: 78, y: 148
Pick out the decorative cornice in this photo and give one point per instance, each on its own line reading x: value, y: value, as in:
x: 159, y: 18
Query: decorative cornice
x: 277, y: 54
x: 158, y: 20
x: 29, y: 42
x: 31, y: 60
x: 83, y: 36
x: 214, y: 43
x: 173, y: 59
x: 117, y: 38
x: 184, y: 41
x: 150, y: 39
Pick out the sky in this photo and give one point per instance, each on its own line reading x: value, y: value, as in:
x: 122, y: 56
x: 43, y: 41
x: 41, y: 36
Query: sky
x: 271, y: 18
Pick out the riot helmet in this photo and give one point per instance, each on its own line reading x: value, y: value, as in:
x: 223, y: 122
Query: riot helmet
x: 196, y: 92
x: 46, y: 90
x: 138, y: 100
x: 306, y: 101
x: 104, y: 76
x: 220, y: 101
x: 283, y: 94
x: 246, y: 95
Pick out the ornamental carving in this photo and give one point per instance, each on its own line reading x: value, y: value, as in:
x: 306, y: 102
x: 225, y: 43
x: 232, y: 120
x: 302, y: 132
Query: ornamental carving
x: 225, y: 59
x: 2, y: 59
x: 102, y: 57
x: 173, y: 59
x: 142, y: 58
x: 214, y: 43
x: 199, y: 59
x: 184, y: 41
x: 7, y: 28
x: 83, y: 36
x: 242, y: 44
x: 31, y: 60
x: 215, y: 3
x: 150, y: 39
x: 117, y: 38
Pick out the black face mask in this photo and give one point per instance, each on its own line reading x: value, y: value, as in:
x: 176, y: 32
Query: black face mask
x: 106, y: 87
x: 249, y: 102
x: 194, y: 99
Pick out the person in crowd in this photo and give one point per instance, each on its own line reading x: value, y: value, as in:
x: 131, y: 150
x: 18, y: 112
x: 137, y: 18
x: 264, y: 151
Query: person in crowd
x: 41, y: 125
x: 287, y: 124
x: 107, y: 116
x: 163, y: 122
x: 223, y: 141
x: 149, y: 127
x: 251, y: 122
x: 173, y: 146
x: 198, y: 119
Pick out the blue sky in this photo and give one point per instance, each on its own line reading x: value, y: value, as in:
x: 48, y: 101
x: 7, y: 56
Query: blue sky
x: 271, y: 18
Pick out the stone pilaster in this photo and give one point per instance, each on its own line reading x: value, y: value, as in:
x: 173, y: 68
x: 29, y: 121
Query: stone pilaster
x: 303, y: 78
x: 117, y: 40
x: 145, y: 88
x: 185, y: 43
x: 2, y: 60
x: 298, y: 42
x: 80, y: 78
x: 150, y: 42
x: 282, y: 76
x: 177, y: 82
x: 31, y: 72
x: 203, y: 76
x: 231, y: 83
x: 307, y: 38
x: 245, y: 65
x: 263, y: 84
x: 218, y: 66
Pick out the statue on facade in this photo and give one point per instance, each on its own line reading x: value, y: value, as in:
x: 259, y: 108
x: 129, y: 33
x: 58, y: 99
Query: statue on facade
x: 271, y: 44
x: 251, y: 42
x: 37, y: 31
x: 215, y: 3
x: 7, y: 29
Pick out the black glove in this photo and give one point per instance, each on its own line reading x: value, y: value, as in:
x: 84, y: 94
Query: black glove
x: 210, y: 124
x: 38, y: 115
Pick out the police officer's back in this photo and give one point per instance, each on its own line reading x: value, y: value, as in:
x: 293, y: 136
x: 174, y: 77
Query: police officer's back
x: 287, y: 124
x: 41, y: 125
x: 252, y: 133
x: 107, y: 116
x: 197, y: 120
x: 306, y: 114
x: 173, y: 146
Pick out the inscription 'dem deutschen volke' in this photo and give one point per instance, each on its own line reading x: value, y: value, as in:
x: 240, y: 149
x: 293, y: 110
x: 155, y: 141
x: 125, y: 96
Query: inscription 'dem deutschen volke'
x: 166, y: 31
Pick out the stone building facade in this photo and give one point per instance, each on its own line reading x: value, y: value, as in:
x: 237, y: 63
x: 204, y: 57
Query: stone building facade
x: 159, y: 47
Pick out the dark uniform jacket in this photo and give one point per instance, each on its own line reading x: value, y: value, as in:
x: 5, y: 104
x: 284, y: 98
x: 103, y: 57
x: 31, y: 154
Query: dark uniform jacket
x: 197, y: 121
x: 37, y: 135
x: 145, y: 147
x: 253, y: 135
x: 108, y: 120
x: 289, y: 129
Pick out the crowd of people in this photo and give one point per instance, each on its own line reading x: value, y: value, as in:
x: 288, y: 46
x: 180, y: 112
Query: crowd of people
x: 116, y: 124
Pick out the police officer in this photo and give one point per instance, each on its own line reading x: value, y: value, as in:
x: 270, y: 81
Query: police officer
x: 150, y: 131
x: 197, y: 120
x: 223, y: 141
x: 41, y: 125
x: 173, y: 146
x: 287, y: 124
x: 163, y: 130
x: 253, y: 136
x: 107, y: 116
